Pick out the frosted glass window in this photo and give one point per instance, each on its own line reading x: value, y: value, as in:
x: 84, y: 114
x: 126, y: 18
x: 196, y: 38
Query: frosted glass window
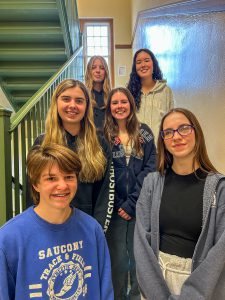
x: 97, y: 40
x: 104, y: 41
x: 97, y: 37
x: 90, y: 51
x: 90, y: 31
x: 97, y: 31
x: 104, y: 31
x: 90, y: 41
x: 105, y: 51
x: 98, y: 50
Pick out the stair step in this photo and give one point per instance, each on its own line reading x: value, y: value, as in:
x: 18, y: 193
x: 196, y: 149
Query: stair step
x: 32, y: 46
x: 30, y: 32
x: 28, y: 11
x: 28, y: 80
x: 20, y: 97
x: 19, y: 101
x: 22, y: 86
x: 30, y: 2
x: 32, y: 55
x: 24, y: 69
x: 20, y: 94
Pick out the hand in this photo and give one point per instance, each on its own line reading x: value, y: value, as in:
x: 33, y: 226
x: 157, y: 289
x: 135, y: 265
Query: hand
x: 123, y: 214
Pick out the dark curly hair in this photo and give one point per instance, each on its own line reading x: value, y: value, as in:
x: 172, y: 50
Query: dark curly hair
x: 134, y: 84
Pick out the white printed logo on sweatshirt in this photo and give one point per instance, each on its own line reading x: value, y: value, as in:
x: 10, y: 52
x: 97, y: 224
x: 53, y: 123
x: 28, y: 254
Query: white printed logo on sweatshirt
x: 65, y: 274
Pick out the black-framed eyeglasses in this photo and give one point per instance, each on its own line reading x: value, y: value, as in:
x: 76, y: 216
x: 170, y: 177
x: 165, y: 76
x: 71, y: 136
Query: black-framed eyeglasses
x: 183, y: 130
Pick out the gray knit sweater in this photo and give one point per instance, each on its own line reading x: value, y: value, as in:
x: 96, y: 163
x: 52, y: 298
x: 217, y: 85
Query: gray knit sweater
x: 207, y: 280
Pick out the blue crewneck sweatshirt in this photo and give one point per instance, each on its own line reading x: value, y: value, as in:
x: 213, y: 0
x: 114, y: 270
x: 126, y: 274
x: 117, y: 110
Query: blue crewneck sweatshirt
x: 39, y: 260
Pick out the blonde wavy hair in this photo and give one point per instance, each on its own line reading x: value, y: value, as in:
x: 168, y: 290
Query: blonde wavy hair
x: 89, y: 80
x: 87, y: 145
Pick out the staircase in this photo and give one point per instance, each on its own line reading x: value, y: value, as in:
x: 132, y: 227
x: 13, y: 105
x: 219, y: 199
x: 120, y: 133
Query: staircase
x: 40, y: 45
x: 33, y: 46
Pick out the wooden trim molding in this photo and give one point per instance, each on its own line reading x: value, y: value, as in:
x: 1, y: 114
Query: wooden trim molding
x: 103, y: 20
x: 123, y: 46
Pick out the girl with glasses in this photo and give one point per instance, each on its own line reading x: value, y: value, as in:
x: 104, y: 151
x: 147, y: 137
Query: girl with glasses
x: 179, y: 237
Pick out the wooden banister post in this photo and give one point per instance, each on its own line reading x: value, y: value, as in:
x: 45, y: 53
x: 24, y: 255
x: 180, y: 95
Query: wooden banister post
x: 6, y: 211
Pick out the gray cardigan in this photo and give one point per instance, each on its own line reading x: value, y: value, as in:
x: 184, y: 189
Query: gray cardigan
x: 207, y: 280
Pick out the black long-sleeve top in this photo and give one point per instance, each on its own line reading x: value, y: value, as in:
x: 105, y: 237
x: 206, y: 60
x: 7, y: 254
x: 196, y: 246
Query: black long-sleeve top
x: 94, y: 198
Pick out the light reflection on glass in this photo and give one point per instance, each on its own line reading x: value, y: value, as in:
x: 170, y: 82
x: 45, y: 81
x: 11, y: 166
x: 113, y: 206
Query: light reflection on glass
x: 166, y: 42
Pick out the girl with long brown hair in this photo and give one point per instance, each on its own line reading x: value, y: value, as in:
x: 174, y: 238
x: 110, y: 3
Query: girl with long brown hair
x: 133, y: 152
x: 180, y: 229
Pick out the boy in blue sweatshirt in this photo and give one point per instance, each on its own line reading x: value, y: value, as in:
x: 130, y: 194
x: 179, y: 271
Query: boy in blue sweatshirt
x: 52, y: 250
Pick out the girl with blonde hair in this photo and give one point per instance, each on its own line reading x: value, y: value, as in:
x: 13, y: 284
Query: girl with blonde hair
x: 70, y: 122
x: 97, y: 80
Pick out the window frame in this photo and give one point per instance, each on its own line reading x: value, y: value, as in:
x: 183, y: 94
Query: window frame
x: 109, y: 21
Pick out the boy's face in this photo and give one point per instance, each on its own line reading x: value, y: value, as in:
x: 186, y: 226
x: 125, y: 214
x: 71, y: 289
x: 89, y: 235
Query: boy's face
x: 56, y: 188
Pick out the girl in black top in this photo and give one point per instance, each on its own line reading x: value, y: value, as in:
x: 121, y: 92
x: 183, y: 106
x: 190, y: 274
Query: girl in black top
x: 97, y: 80
x: 70, y: 122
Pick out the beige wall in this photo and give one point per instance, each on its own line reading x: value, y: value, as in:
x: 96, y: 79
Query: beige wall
x: 120, y: 11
